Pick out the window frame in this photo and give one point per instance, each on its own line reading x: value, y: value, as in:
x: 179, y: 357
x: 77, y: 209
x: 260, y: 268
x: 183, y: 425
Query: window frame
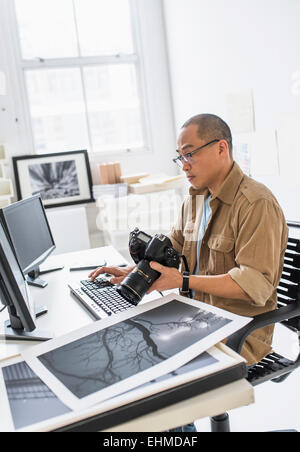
x: 80, y: 63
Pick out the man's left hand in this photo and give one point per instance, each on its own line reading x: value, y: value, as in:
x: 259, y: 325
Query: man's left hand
x: 170, y: 278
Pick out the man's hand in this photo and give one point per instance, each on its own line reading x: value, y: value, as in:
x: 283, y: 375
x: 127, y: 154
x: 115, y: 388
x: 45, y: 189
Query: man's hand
x: 118, y: 273
x: 170, y: 278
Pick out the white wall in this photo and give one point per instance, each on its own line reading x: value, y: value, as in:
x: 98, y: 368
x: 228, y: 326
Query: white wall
x: 218, y: 47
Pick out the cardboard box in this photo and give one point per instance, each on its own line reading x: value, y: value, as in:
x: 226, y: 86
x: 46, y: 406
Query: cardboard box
x: 103, y: 174
x: 118, y: 173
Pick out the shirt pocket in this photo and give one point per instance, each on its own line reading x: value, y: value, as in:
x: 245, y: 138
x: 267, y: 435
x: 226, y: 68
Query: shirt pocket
x: 221, y: 254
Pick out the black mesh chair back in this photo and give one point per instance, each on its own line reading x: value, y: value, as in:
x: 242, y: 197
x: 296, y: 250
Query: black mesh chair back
x: 274, y: 366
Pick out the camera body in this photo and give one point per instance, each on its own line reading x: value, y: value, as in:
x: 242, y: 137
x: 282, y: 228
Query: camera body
x: 158, y: 248
x: 143, y: 248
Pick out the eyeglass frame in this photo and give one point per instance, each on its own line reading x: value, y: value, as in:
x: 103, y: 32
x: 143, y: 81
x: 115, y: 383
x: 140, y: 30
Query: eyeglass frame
x: 188, y: 155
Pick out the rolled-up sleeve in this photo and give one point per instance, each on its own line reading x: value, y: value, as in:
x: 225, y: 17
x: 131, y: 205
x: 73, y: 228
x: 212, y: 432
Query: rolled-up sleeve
x: 259, y: 250
x: 253, y: 283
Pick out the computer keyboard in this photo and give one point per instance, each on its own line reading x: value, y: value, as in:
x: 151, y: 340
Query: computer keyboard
x: 104, y: 296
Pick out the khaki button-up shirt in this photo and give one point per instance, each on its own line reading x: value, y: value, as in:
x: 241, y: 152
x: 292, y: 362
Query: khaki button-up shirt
x: 246, y: 237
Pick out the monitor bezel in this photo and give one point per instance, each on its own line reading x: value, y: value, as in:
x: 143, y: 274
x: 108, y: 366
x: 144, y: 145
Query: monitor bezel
x: 33, y: 265
x: 16, y: 299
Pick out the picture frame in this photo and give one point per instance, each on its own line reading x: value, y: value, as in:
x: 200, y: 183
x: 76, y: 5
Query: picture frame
x: 61, y: 179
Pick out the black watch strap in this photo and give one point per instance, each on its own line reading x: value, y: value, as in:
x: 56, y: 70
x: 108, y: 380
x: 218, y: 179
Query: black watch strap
x: 185, y: 282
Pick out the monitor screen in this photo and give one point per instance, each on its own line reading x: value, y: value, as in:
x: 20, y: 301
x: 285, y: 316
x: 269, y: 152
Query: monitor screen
x: 29, y: 232
x: 13, y: 288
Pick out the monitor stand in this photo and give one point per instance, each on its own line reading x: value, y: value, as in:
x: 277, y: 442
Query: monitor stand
x: 33, y: 276
x: 16, y: 334
x: 19, y: 334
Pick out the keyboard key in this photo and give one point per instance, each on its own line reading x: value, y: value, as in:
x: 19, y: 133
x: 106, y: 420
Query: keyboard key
x: 97, y: 283
x: 104, y: 294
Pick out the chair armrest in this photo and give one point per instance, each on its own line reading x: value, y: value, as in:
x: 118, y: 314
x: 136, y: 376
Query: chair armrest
x: 237, y: 339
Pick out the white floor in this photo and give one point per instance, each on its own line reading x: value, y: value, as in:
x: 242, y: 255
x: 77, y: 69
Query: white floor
x: 276, y: 405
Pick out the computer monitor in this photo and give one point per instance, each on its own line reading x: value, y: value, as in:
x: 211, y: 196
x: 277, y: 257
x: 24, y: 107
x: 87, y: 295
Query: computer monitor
x: 28, y: 230
x: 14, y: 295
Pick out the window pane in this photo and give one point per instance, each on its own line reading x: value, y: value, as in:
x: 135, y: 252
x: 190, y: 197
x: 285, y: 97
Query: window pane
x: 57, y: 110
x: 104, y: 27
x: 46, y: 28
x: 113, y: 107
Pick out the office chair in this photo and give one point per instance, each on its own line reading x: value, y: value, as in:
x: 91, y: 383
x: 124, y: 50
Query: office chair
x: 272, y: 367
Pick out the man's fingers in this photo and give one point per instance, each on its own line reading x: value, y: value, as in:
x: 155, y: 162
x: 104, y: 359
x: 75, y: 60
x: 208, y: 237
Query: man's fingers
x: 112, y: 270
x: 96, y: 272
x: 117, y: 280
x: 156, y: 266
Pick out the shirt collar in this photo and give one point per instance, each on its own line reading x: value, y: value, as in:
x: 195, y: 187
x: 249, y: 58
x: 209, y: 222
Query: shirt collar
x: 228, y: 189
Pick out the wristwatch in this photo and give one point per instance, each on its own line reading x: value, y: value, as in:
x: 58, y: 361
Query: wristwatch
x: 185, y: 282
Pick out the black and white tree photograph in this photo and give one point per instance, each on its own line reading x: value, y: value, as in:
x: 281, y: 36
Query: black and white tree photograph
x: 31, y: 400
x: 54, y: 179
x: 124, y: 349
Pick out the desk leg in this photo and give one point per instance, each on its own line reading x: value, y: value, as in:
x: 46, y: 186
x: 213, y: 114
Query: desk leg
x: 220, y: 424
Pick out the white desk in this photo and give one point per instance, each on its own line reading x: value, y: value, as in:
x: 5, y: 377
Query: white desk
x: 65, y: 314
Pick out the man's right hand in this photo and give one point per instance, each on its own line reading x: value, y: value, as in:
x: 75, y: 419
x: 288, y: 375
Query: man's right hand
x: 118, y: 273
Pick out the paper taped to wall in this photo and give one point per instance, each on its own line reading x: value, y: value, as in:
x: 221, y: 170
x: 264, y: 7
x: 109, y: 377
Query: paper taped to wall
x: 241, y: 111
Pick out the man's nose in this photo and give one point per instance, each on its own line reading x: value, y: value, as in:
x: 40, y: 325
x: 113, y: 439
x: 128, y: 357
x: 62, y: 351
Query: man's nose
x: 185, y: 165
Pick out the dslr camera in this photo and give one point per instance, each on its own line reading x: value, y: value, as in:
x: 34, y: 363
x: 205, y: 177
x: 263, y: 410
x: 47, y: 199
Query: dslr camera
x: 143, y: 248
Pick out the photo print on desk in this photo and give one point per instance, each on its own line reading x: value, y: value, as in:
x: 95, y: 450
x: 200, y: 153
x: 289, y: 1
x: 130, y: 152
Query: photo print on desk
x: 119, y: 353
x: 109, y: 356
x: 30, y: 400
x: 29, y: 404
x: 61, y: 179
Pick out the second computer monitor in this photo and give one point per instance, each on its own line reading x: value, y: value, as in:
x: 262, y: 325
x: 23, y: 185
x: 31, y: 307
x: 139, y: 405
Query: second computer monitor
x: 28, y: 230
x: 15, y: 296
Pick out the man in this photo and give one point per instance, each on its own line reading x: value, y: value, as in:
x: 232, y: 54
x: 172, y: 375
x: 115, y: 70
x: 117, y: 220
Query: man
x: 231, y: 230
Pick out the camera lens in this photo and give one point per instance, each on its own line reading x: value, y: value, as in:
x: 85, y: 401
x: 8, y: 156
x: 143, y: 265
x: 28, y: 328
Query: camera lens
x: 136, y: 284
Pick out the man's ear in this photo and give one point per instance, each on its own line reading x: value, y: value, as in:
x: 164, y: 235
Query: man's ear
x: 223, y: 148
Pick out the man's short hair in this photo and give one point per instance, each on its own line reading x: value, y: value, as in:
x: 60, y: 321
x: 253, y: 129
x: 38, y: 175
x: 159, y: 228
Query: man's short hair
x: 211, y: 127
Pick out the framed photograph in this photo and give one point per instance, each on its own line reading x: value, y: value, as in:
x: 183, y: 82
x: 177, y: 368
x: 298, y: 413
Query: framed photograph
x: 61, y: 179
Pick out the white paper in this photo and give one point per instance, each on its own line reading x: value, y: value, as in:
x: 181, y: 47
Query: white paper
x: 161, y: 178
x: 288, y: 147
x: 6, y: 421
x: 240, y: 111
x: 2, y: 84
x: 264, y: 154
x: 149, y: 341
x: 241, y: 154
x: 213, y: 361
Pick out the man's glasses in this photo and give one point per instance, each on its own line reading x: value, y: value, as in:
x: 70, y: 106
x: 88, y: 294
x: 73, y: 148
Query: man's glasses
x: 188, y: 157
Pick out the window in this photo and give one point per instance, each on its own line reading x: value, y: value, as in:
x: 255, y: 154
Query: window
x: 81, y: 73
